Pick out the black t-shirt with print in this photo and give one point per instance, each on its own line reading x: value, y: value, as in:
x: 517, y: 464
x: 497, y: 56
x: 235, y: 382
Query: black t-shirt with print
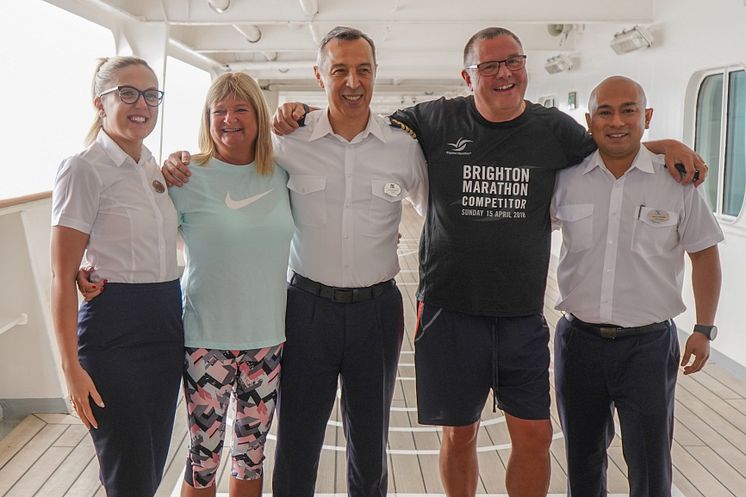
x: 486, y: 240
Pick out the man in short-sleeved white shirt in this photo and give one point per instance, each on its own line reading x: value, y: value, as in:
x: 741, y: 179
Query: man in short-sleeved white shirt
x: 349, y: 172
x: 625, y: 227
x: 346, y: 197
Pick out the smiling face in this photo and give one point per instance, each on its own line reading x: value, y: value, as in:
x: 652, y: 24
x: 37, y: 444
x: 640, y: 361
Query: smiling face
x: 347, y: 73
x: 233, y: 129
x: 499, y: 97
x: 618, y: 118
x: 129, y: 124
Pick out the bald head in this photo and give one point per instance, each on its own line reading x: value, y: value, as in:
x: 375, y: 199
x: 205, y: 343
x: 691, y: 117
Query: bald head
x: 612, y: 84
x: 617, y: 118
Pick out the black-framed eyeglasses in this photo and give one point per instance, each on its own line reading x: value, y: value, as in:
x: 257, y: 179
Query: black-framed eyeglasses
x: 130, y: 95
x: 491, y: 67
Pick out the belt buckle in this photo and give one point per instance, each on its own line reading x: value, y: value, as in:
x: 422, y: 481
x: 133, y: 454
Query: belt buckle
x: 608, y: 332
x: 342, y: 295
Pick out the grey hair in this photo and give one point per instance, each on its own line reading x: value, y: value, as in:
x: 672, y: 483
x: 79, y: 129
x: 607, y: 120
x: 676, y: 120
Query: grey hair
x: 486, y: 34
x: 104, y: 76
x: 343, y: 33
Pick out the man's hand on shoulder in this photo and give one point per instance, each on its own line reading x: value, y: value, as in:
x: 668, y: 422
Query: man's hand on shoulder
x: 289, y: 117
x: 176, y: 169
x: 678, y: 153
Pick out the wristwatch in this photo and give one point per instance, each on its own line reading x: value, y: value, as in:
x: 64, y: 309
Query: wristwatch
x: 708, y: 330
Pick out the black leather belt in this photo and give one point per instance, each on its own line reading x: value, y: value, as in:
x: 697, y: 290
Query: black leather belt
x: 341, y: 295
x: 612, y: 331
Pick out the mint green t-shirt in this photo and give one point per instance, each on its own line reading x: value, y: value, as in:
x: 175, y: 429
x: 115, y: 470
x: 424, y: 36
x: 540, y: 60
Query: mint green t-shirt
x: 237, y: 227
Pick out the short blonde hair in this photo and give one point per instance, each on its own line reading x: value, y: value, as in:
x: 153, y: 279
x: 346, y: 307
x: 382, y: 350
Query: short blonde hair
x: 243, y: 87
x: 104, y: 76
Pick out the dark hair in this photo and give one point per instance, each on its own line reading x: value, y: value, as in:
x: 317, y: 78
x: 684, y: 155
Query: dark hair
x: 487, y: 34
x: 343, y: 33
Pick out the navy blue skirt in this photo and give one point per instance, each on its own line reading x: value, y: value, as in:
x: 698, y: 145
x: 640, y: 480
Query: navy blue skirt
x: 131, y: 342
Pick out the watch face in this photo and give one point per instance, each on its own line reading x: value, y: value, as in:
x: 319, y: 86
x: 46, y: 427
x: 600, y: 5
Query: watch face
x: 713, y: 332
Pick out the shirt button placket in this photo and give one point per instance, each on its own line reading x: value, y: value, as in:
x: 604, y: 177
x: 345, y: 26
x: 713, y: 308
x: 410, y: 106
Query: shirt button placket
x: 348, y: 215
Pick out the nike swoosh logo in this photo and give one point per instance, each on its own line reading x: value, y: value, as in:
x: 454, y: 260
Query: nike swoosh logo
x: 240, y: 204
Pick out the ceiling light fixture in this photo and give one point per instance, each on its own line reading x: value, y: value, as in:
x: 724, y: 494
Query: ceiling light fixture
x: 631, y: 39
x: 558, y: 63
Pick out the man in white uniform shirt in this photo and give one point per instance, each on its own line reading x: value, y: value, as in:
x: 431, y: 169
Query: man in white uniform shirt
x: 349, y: 171
x: 625, y: 227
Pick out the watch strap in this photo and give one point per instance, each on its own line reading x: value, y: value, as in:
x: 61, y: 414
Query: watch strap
x: 705, y: 329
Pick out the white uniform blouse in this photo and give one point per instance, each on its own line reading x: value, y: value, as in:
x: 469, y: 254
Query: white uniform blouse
x: 125, y: 208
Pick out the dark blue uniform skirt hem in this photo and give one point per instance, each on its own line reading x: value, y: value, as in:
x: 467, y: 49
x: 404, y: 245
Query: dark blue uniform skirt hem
x: 130, y: 340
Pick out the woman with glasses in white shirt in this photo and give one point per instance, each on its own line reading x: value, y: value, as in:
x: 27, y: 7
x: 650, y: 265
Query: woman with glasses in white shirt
x: 121, y: 353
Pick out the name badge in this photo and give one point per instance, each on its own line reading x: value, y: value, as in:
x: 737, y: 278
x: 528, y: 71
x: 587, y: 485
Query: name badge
x: 158, y: 186
x: 657, y: 217
x: 392, y: 189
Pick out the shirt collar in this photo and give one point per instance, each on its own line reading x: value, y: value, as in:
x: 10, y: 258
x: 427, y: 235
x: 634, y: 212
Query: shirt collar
x: 642, y: 161
x: 323, y: 127
x: 115, y: 152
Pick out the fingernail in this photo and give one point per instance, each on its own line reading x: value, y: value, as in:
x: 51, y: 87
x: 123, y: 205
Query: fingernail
x: 100, y: 404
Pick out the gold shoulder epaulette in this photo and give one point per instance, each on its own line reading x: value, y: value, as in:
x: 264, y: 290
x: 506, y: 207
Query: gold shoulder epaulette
x: 398, y: 124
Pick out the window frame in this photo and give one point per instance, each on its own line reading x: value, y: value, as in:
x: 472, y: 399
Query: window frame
x: 725, y: 72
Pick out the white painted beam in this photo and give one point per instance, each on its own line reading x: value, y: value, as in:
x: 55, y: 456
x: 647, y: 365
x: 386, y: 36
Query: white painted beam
x: 354, y: 12
x: 309, y: 7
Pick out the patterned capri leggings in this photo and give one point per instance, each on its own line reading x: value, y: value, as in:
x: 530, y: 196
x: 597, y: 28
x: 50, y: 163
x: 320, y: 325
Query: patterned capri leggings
x: 210, y: 376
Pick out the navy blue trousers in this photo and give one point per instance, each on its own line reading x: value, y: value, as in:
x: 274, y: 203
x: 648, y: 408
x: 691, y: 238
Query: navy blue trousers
x: 358, y: 343
x: 131, y: 343
x: 635, y: 375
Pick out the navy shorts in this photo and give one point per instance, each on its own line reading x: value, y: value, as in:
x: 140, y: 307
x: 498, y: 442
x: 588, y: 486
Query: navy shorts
x: 460, y: 357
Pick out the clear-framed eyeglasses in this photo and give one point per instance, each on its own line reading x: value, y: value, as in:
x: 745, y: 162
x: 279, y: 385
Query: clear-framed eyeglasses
x: 492, y: 67
x: 130, y: 95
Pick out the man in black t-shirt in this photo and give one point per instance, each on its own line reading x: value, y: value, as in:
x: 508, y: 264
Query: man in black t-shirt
x: 492, y: 159
x: 484, y: 255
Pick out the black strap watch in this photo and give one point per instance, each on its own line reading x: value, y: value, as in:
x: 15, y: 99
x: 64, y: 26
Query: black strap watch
x: 708, y: 330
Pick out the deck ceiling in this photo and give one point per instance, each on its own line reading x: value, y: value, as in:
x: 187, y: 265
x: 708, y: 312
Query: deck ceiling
x: 419, y: 42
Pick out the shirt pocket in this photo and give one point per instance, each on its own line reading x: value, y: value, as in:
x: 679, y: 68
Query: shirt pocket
x: 577, y: 226
x: 384, y: 210
x: 308, y: 199
x: 655, y: 232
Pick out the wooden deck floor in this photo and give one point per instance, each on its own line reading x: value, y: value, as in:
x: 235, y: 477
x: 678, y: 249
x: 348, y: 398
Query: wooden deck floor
x: 49, y: 455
